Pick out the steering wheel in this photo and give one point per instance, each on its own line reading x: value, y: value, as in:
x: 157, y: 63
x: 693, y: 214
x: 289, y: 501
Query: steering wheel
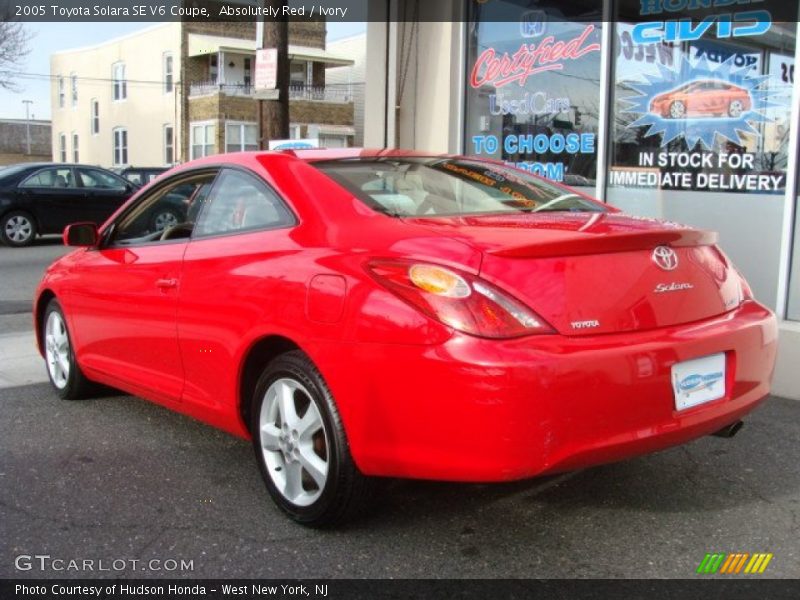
x: 181, y: 230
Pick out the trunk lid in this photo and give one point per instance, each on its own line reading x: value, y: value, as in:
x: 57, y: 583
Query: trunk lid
x: 593, y: 273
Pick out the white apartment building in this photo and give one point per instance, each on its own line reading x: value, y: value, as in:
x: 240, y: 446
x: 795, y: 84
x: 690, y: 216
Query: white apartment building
x: 115, y: 104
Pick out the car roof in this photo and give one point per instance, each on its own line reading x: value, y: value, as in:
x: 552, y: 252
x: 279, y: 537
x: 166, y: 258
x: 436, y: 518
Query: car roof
x: 40, y: 165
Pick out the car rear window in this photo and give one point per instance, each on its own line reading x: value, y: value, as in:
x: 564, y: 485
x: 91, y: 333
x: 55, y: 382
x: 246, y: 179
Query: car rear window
x: 11, y: 172
x: 431, y: 187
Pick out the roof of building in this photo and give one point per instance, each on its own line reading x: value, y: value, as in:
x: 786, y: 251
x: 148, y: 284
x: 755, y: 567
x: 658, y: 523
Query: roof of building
x: 40, y: 122
x: 114, y: 40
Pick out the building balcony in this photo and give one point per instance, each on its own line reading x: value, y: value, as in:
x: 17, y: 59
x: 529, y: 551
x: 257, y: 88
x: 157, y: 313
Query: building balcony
x: 333, y: 94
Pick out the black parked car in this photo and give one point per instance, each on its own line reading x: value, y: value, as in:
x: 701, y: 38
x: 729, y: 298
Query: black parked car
x: 40, y: 198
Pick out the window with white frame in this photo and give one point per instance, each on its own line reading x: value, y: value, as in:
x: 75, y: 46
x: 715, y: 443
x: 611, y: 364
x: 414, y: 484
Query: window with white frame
x: 73, y: 86
x: 168, y: 72
x: 240, y: 137
x: 203, y: 139
x: 120, y: 146
x: 294, y: 131
x: 75, y: 153
x: 169, y: 144
x: 95, y: 116
x: 61, y: 92
x: 119, y: 82
x: 62, y: 147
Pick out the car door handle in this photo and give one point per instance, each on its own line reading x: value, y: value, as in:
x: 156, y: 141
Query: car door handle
x: 166, y: 283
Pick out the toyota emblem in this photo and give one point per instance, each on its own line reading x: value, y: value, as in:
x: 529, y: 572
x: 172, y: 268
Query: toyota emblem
x: 665, y: 258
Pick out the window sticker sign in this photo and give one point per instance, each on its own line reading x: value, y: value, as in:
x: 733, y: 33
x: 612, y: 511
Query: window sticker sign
x: 700, y: 104
x: 532, y: 89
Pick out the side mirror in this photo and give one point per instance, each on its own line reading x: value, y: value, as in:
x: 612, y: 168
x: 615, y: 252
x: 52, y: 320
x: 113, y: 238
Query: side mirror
x: 82, y: 235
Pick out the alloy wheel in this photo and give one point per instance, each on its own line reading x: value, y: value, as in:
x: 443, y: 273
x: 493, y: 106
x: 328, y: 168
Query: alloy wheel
x: 735, y: 109
x: 165, y: 220
x: 294, y: 442
x: 57, y: 350
x: 677, y: 110
x: 19, y: 229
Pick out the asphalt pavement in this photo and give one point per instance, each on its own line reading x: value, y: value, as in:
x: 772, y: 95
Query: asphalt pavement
x: 120, y: 479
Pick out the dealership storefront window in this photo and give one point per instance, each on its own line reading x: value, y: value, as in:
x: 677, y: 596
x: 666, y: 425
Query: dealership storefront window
x: 700, y: 135
x: 696, y: 130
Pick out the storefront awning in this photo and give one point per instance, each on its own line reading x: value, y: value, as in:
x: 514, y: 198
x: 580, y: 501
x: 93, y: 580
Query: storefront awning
x: 200, y: 45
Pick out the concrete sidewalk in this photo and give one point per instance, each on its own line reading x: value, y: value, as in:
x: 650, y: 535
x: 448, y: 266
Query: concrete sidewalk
x: 20, y: 363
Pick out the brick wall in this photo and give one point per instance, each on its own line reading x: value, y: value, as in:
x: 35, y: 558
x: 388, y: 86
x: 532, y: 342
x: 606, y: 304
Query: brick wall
x: 307, y: 33
x: 204, y: 108
x: 304, y: 111
x: 10, y: 159
x: 13, y: 138
x: 301, y: 33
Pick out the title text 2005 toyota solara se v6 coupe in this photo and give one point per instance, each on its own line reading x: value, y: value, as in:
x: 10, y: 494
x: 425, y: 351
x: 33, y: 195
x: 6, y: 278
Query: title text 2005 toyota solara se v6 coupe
x: 384, y: 313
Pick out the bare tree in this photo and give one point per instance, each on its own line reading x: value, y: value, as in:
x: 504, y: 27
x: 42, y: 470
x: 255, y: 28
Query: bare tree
x: 14, y: 39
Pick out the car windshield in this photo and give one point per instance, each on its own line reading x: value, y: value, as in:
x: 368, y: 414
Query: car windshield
x: 431, y: 187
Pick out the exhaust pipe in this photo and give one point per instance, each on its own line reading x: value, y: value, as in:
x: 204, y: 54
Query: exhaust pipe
x: 729, y: 430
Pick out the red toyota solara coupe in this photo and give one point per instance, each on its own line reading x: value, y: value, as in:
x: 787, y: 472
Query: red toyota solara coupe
x: 385, y: 313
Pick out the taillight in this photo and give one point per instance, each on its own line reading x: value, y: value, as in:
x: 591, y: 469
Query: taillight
x: 459, y: 300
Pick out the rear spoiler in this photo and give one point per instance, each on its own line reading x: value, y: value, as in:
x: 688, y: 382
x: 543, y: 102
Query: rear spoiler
x: 587, y: 243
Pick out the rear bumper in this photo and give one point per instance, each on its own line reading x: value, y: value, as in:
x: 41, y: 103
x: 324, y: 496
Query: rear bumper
x: 482, y: 410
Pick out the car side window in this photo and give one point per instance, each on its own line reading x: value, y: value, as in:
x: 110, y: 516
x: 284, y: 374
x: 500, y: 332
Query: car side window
x: 167, y: 213
x: 51, y: 178
x: 98, y: 180
x: 134, y: 178
x: 241, y: 202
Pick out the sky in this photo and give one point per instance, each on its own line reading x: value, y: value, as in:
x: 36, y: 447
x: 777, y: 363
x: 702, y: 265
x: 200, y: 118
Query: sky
x: 54, y: 37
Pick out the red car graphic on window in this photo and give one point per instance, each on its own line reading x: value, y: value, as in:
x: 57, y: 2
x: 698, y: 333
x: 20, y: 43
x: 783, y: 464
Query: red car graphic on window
x: 706, y: 97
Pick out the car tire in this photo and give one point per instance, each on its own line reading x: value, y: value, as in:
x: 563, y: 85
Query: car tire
x: 63, y: 369
x: 163, y: 220
x: 677, y: 110
x: 17, y: 229
x: 305, y: 460
x: 735, y: 109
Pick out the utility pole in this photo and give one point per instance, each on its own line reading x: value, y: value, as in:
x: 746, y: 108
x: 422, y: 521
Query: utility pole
x: 273, y: 115
x: 27, y: 104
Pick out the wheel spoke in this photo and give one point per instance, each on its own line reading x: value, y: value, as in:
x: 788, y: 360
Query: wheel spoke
x: 56, y: 371
x: 286, y: 405
x: 63, y: 364
x: 294, y: 480
x: 313, y: 464
x: 270, y: 437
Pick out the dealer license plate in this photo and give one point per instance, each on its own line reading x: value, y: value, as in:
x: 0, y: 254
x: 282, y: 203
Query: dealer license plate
x: 698, y: 381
